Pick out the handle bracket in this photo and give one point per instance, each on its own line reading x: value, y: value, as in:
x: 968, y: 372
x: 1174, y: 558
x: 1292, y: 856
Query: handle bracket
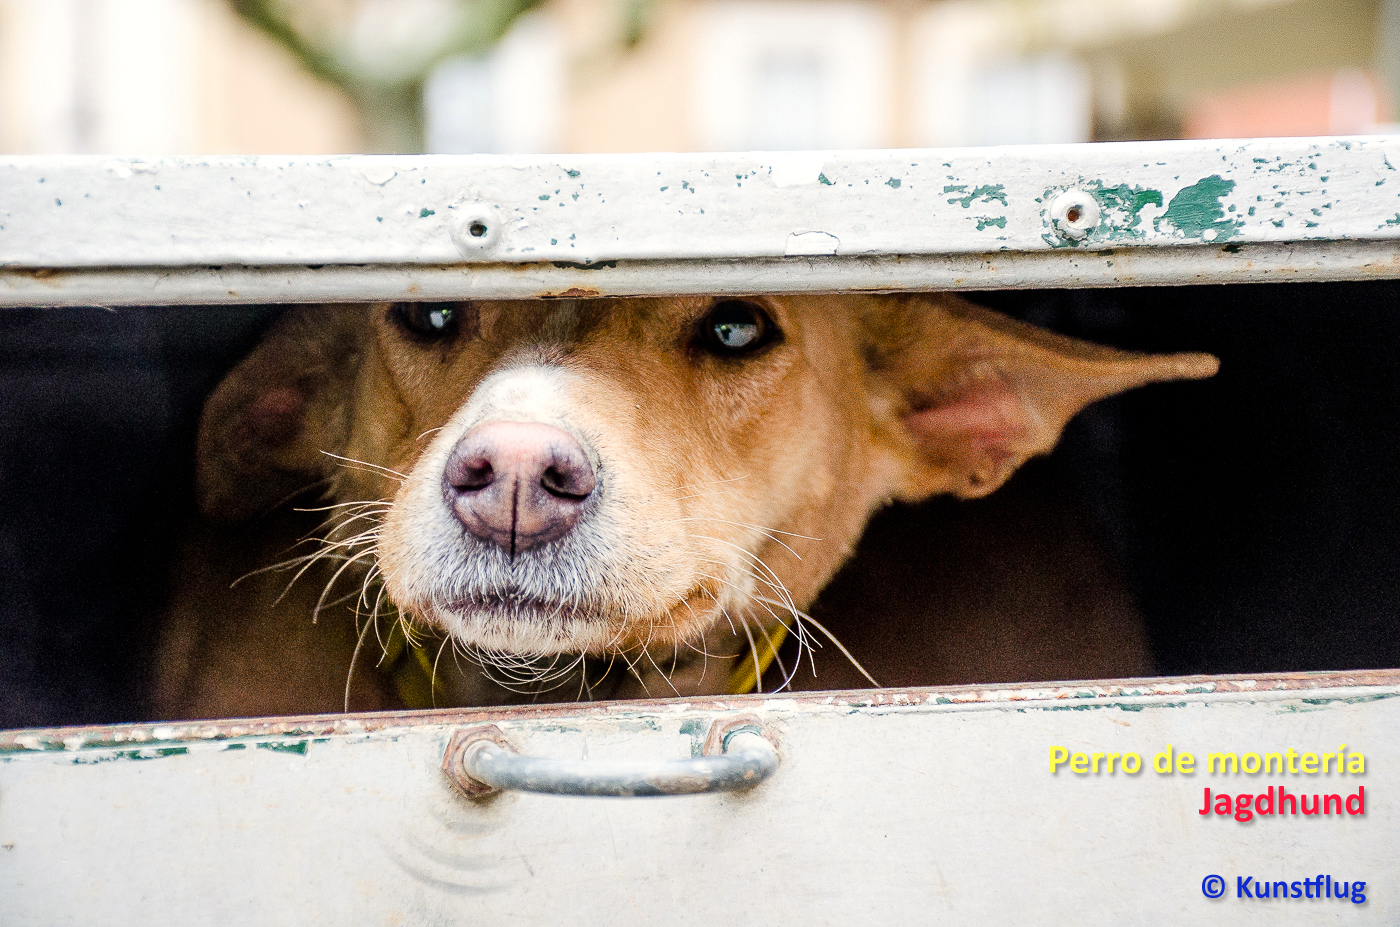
x: 737, y: 755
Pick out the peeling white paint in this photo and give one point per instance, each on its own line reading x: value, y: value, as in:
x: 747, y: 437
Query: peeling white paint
x: 811, y: 243
x: 793, y: 170
x: 113, y: 232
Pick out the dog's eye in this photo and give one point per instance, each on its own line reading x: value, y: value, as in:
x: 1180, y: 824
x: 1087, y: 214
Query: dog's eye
x: 430, y: 320
x: 736, y: 326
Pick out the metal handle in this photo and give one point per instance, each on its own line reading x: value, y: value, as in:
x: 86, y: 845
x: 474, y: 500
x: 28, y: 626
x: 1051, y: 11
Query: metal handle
x: 480, y: 761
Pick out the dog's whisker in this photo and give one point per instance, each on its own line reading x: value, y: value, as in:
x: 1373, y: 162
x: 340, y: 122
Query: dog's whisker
x: 354, y: 658
x: 632, y: 668
x: 733, y: 479
x: 370, y: 579
x: 367, y: 465
x: 313, y: 561
x: 745, y: 553
x: 432, y: 679
x: 769, y: 533
x: 753, y: 654
x: 324, y: 483
x: 321, y: 601
x: 373, y: 504
x: 774, y: 583
x: 839, y: 646
x: 665, y: 677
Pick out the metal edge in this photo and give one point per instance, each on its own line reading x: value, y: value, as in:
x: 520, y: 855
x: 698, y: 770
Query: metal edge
x: 1321, y: 261
x: 1089, y: 693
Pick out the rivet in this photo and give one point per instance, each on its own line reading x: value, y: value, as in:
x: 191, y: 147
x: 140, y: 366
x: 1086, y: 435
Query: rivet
x: 1074, y: 214
x: 476, y: 228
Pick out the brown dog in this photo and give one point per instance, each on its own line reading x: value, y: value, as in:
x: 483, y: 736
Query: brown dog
x: 665, y: 481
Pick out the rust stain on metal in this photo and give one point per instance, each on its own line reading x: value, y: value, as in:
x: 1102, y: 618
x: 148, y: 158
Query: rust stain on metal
x: 574, y: 292
x: 714, y: 739
x: 453, y: 758
x: 50, y: 275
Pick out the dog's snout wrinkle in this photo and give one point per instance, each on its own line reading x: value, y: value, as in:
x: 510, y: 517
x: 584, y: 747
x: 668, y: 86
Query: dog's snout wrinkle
x: 518, y: 484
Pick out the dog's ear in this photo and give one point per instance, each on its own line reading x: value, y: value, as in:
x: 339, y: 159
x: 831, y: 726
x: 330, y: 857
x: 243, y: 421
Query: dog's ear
x: 977, y: 394
x: 266, y: 430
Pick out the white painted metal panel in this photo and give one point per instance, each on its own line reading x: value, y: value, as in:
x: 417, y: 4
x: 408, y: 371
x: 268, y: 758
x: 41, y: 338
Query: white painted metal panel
x: 899, y: 807
x: 377, y: 227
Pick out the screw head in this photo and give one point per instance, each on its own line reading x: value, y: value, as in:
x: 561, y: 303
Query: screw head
x: 475, y: 229
x: 1074, y: 214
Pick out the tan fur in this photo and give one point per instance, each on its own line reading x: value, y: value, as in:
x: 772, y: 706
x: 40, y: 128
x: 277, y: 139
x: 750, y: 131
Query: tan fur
x: 724, y: 482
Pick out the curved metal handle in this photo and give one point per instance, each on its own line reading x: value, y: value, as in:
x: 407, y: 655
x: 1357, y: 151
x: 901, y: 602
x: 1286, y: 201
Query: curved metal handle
x: 480, y: 761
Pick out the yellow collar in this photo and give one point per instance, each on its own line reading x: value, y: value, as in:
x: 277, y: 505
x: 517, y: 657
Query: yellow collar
x: 410, y: 667
x: 754, y: 662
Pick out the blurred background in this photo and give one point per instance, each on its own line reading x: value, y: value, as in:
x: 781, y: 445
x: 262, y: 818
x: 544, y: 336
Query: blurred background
x: 166, y: 77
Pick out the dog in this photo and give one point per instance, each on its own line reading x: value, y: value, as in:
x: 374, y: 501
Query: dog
x: 623, y: 497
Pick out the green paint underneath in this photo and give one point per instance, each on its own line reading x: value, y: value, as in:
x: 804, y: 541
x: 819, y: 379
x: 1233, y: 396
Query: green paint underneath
x: 696, y: 729
x: 984, y: 221
x: 425, y: 212
x: 986, y: 194
x: 1131, y: 200
x: 893, y: 183
x: 821, y: 179
x: 1122, y: 207
x: 1197, y: 208
x: 282, y: 746
x: 88, y: 759
x: 692, y: 726
x: 1350, y: 700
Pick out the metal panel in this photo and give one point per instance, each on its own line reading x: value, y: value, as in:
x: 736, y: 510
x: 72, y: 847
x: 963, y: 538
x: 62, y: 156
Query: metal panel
x: 381, y: 227
x: 912, y: 806
x: 888, y: 806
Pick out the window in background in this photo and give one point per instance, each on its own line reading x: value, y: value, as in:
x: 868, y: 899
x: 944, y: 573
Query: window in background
x: 157, y: 77
x: 1043, y: 100
x: 100, y: 76
x: 791, y: 75
x: 974, y: 83
x: 458, y: 108
x: 785, y: 110
x: 509, y: 101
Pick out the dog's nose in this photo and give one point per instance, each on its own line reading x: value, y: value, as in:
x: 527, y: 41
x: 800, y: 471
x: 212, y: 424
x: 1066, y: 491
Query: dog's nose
x: 518, y: 484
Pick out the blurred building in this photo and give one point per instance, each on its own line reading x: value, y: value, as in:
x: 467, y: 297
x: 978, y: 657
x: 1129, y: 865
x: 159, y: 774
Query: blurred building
x: 156, y: 77
x: 187, y: 77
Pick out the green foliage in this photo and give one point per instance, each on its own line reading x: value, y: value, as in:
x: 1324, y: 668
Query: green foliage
x: 386, y: 87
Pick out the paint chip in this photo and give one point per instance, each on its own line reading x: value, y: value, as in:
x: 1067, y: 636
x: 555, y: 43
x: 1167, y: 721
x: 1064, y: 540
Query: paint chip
x: 378, y: 173
x: 811, y: 244
x: 794, y: 170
